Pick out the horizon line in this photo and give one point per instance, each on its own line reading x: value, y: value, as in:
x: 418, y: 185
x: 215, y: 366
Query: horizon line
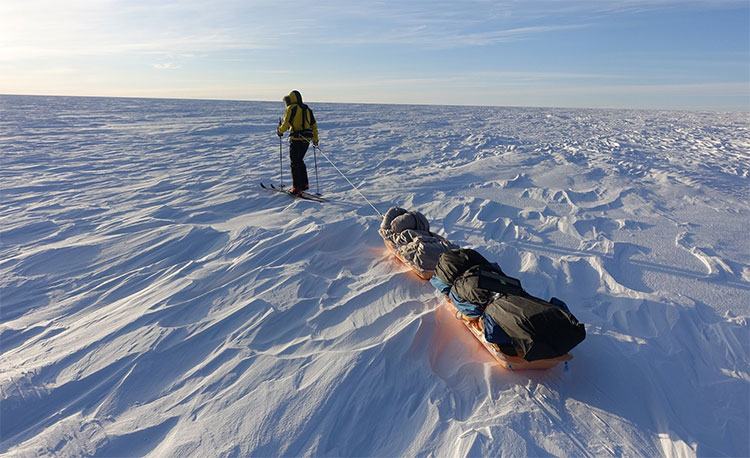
x: 209, y: 99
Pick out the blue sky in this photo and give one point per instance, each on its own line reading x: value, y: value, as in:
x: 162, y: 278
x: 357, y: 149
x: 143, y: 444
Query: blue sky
x: 595, y: 53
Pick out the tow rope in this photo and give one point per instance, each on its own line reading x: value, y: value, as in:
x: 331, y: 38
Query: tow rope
x: 348, y: 180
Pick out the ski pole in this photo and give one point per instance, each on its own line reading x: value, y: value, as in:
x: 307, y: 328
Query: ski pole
x: 315, y: 158
x: 281, y: 166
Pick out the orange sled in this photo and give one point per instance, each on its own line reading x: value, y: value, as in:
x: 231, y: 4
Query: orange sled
x: 423, y: 274
x: 513, y: 363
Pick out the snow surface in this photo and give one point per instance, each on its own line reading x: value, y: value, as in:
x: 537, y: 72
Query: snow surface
x: 156, y: 301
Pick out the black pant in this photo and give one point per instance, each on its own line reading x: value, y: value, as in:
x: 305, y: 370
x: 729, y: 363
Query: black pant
x: 297, y: 150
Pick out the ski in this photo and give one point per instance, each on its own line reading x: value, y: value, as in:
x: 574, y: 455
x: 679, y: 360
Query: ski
x: 304, y: 195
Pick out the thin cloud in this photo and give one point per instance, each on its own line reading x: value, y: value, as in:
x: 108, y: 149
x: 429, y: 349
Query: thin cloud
x: 37, y: 29
x: 42, y: 29
x: 166, y: 66
x: 188, y: 46
x: 454, y: 24
x: 482, y: 79
x: 508, y: 35
x: 425, y: 37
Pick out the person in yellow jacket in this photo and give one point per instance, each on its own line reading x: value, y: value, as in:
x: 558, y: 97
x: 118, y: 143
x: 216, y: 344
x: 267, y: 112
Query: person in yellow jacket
x: 298, y: 118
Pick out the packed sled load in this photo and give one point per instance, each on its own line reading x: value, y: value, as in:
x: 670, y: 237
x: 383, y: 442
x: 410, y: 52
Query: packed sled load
x: 407, y: 235
x: 516, y: 325
x: 519, y: 330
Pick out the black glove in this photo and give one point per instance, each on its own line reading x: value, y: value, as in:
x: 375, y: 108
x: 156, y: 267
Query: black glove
x: 315, y: 143
x: 279, y: 133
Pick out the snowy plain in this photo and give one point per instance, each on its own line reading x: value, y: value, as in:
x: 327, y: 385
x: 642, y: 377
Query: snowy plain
x: 155, y: 300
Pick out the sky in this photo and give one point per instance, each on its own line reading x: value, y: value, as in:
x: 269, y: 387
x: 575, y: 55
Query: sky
x: 666, y: 54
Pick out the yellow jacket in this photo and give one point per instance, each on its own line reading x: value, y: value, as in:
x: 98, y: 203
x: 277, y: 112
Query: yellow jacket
x: 300, y: 119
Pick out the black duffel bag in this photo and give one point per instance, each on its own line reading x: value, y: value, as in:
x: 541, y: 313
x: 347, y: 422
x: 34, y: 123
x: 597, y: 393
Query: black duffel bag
x: 480, y: 284
x: 539, y: 329
x: 452, y: 264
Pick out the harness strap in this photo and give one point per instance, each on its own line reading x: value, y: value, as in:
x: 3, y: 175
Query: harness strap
x: 292, y: 115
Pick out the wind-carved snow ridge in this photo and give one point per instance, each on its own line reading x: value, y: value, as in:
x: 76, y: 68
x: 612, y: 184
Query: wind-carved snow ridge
x: 154, y: 300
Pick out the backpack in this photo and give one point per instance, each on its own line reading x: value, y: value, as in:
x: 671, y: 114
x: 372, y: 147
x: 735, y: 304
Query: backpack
x: 308, y: 120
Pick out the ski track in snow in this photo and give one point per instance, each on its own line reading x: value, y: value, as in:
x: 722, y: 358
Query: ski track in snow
x: 154, y: 300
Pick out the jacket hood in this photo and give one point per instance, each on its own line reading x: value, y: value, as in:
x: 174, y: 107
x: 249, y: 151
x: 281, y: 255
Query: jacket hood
x: 295, y: 98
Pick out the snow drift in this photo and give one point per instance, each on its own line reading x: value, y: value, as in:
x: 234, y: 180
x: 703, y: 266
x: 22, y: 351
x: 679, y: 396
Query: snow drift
x: 154, y: 300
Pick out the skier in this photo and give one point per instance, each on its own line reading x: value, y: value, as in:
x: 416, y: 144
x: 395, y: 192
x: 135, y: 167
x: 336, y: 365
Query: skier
x: 300, y: 119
